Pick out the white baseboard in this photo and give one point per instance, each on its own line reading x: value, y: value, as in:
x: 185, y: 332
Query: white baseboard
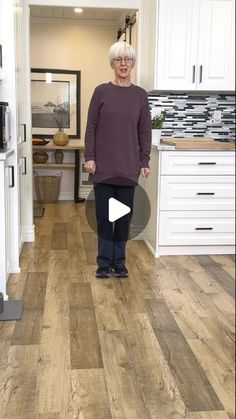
x: 195, y: 250
x: 28, y: 234
x: 15, y: 270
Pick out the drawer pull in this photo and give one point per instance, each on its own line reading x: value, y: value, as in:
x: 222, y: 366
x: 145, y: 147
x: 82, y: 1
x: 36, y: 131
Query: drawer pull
x: 203, y: 228
x: 12, y: 177
x: 207, y: 162
x: 25, y: 167
x: 205, y: 193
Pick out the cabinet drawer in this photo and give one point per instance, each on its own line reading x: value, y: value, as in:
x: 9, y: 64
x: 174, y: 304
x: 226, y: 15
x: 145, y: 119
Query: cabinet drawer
x: 197, y: 193
x: 197, y: 163
x: 178, y: 228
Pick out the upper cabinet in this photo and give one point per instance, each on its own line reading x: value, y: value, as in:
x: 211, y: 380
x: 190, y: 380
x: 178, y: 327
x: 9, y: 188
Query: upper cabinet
x: 195, y: 45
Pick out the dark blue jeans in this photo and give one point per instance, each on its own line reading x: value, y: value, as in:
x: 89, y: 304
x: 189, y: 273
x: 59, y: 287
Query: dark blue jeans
x: 112, y: 237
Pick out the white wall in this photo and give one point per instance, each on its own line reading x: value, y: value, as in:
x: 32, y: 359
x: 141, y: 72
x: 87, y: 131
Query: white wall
x: 74, y: 47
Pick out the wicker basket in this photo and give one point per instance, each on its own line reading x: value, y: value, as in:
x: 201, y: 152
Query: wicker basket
x: 47, y: 187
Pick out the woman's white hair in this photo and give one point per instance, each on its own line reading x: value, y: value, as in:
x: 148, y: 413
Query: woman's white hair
x: 121, y: 48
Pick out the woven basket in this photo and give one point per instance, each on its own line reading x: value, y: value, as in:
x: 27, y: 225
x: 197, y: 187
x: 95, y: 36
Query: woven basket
x: 47, y: 187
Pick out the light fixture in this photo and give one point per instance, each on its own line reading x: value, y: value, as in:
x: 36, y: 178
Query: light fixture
x: 78, y: 10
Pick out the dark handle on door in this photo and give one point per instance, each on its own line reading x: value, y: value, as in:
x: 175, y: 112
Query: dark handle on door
x: 207, y: 162
x: 205, y: 193
x: 194, y: 74
x: 25, y: 166
x: 204, y: 228
x: 200, y: 77
x: 12, y: 177
x: 24, y: 138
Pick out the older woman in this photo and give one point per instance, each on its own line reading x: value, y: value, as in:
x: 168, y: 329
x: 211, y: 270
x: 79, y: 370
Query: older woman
x: 117, y: 151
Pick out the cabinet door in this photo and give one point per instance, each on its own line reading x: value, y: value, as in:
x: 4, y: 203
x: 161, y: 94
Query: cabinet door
x: 8, y: 183
x: 177, y: 42
x: 216, y: 45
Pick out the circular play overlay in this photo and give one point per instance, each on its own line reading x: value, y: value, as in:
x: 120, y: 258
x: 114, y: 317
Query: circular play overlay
x: 114, y: 210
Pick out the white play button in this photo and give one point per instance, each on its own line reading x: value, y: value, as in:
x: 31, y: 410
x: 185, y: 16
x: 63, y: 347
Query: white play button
x: 117, y: 209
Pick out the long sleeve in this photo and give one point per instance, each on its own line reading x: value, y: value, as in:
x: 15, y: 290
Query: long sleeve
x: 90, y: 132
x: 144, y: 133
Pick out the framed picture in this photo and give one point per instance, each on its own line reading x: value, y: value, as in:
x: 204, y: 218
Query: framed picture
x: 55, y: 102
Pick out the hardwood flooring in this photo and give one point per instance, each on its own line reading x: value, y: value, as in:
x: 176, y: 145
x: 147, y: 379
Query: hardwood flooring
x: 158, y: 345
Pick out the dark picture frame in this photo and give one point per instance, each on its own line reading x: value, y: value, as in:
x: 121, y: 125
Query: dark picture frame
x: 55, y: 102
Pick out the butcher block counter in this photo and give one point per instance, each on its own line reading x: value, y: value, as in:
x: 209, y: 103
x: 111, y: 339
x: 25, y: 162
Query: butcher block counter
x: 192, y: 195
x: 197, y: 143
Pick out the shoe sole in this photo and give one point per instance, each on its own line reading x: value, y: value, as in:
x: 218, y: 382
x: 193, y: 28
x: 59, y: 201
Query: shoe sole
x: 103, y: 275
x: 121, y: 275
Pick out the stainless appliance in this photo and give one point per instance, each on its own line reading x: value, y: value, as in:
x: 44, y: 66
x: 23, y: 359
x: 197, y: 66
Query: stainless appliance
x: 4, y: 125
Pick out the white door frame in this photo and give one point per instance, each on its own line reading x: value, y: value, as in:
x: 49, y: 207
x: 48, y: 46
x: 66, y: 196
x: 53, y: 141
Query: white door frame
x: 145, y: 64
x: 146, y: 45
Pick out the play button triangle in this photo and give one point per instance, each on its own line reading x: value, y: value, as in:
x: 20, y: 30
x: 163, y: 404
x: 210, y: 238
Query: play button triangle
x: 117, y: 210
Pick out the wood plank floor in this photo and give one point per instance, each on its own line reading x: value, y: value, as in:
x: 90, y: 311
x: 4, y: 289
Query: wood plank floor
x: 158, y: 345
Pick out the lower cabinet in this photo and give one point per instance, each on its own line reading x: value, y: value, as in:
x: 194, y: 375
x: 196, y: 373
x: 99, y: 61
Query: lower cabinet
x: 8, y: 219
x: 195, y: 202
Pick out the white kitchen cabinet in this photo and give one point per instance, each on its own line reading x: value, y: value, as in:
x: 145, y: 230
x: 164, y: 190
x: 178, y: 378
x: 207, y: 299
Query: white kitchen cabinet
x: 195, y: 45
x: 193, y: 194
x: 8, y: 219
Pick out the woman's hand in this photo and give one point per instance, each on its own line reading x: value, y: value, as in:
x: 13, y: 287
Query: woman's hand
x: 90, y: 166
x: 145, y: 171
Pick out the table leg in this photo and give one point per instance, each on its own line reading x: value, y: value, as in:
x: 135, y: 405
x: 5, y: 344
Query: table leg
x: 77, y: 199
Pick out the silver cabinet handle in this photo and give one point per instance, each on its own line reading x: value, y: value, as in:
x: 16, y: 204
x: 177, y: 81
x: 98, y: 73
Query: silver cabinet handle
x: 194, y: 74
x: 200, y: 76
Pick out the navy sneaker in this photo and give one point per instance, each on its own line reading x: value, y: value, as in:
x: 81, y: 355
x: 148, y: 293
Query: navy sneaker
x: 103, y: 272
x: 121, y: 271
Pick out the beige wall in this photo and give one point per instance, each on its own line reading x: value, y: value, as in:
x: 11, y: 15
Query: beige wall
x: 74, y: 47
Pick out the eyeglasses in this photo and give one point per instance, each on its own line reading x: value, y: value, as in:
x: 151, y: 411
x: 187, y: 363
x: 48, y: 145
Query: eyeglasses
x: 119, y: 60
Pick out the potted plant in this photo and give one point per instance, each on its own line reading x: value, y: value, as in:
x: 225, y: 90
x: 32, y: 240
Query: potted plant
x: 60, y: 116
x: 157, y: 124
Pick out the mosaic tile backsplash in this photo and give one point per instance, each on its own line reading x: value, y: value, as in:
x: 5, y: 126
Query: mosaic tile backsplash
x: 192, y: 115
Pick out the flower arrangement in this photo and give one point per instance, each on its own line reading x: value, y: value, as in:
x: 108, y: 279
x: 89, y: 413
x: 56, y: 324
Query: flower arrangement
x: 158, y: 120
x: 59, y: 113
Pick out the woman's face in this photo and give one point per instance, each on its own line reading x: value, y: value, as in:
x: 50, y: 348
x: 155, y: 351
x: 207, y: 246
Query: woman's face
x: 122, y: 66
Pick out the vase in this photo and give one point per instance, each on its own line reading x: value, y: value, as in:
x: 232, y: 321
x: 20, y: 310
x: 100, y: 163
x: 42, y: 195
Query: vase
x: 58, y: 154
x: 156, y: 136
x: 60, y: 138
x: 40, y: 157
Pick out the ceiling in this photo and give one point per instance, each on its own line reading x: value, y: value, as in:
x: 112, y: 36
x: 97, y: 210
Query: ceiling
x: 90, y: 15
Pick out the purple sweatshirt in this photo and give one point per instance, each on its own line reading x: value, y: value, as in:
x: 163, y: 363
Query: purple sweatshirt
x: 118, y: 132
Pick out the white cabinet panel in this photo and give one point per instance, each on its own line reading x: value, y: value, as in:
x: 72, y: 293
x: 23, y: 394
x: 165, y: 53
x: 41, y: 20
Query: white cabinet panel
x: 216, y: 57
x: 198, y: 193
x: 198, y: 163
x: 8, y: 245
x: 177, y: 44
x: 195, y: 45
x: 196, y: 228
